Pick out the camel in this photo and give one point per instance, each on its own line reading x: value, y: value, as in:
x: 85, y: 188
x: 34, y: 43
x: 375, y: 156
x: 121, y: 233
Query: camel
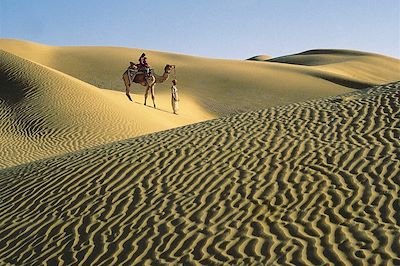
x: 149, y: 81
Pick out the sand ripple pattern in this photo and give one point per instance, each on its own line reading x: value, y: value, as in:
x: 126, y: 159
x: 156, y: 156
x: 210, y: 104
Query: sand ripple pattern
x: 44, y: 113
x: 313, y: 183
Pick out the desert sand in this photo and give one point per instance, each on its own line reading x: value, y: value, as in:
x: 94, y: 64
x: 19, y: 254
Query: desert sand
x: 289, y: 160
x: 63, y: 99
x: 309, y: 183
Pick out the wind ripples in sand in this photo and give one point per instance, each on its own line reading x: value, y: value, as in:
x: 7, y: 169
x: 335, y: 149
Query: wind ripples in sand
x: 45, y: 113
x: 309, y: 183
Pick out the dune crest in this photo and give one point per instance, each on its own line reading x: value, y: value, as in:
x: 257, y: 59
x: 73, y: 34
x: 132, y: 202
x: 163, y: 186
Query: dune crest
x: 51, y: 101
x: 209, y: 81
x: 262, y: 57
x: 309, y: 183
x: 345, y: 67
x: 44, y: 112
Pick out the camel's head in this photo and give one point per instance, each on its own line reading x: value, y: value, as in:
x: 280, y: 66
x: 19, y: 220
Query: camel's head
x: 168, y: 68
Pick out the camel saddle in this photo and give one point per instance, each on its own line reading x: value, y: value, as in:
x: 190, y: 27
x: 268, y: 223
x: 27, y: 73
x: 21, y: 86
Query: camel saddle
x: 134, y: 69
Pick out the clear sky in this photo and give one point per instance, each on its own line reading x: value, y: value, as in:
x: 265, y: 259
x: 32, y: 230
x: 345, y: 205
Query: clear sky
x: 235, y: 29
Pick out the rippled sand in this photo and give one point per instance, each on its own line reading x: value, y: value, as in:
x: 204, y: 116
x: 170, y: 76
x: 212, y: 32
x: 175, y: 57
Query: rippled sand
x: 311, y: 183
x: 44, y: 112
x: 57, y: 99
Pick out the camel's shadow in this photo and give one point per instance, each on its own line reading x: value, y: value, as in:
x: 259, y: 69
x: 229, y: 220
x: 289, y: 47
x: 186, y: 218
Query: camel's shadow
x: 158, y: 109
x: 148, y: 106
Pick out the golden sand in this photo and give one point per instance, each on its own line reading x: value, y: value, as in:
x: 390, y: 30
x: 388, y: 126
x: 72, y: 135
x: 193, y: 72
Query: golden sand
x: 307, y: 183
x: 51, y: 101
x: 45, y: 112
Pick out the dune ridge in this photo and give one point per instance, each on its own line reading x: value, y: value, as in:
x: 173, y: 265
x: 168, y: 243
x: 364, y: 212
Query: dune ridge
x: 262, y: 57
x: 45, y: 112
x: 208, y: 81
x: 56, y: 99
x: 348, y: 68
x: 311, y: 183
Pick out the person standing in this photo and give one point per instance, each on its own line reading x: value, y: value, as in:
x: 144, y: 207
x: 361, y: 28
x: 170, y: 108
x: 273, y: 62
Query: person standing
x: 174, y: 97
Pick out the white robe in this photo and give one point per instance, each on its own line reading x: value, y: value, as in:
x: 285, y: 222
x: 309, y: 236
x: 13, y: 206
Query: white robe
x: 174, y: 99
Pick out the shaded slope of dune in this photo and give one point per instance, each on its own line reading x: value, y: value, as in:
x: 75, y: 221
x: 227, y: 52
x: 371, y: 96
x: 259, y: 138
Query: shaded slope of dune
x: 345, y: 67
x: 262, y: 57
x: 319, y: 57
x: 308, y: 183
x: 44, y: 112
x: 220, y: 86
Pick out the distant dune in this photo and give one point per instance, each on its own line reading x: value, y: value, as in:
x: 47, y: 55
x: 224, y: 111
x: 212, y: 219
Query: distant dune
x: 62, y: 99
x: 260, y: 58
x: 346, y: 67
x: 310, y: 183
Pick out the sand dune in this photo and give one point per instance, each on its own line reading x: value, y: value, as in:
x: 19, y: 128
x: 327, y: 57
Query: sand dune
x: 262, y: 57
x: 346, y: 67
x: 309, y: 183
x: 51, y: 101
x: 44, y: 112
x: 250, y: 85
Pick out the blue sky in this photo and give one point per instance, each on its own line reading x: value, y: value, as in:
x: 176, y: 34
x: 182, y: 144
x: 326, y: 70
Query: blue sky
x: 219, y: 28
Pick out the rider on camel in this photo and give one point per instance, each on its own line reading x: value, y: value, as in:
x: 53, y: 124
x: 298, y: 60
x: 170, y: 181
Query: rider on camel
x: 143, y: 65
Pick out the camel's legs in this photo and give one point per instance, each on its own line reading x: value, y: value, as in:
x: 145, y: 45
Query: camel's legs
x: 128, y: 95
x: 152, y: 96
x: 127, y: 86
x: 145, y: 95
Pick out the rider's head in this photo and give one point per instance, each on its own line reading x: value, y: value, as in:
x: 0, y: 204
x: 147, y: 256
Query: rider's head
x: 174, y: 81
